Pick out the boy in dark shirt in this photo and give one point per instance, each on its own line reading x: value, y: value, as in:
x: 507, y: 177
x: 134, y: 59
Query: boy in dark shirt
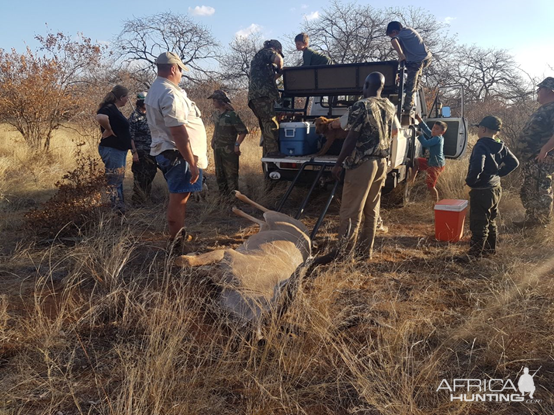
x: 490, y: 160
x: 310, y: 57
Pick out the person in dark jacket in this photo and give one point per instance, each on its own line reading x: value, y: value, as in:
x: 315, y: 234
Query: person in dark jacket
x: 144, y: 165
x: 115, y: 143
x: 490, y: 160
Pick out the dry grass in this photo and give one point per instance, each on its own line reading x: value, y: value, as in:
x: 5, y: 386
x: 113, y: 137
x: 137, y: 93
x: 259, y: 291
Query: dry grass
x: 108, y: 326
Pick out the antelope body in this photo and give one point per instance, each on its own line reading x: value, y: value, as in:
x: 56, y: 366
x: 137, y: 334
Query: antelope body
x: 252, y: 275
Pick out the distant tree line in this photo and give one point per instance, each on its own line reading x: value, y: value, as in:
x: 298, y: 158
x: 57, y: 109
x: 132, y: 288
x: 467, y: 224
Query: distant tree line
x: 61, y: 82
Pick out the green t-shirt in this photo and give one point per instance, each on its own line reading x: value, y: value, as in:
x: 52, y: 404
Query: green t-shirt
x: 311, y: 58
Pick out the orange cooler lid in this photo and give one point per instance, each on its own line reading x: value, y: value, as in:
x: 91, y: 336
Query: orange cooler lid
x: 451, y: 205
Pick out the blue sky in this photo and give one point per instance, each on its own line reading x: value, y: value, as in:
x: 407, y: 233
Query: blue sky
x: 522, y: 27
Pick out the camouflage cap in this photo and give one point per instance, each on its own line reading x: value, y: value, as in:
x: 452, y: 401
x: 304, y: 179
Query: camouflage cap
x: 548, y: 83
x: 275, y: 44
x: 491, y: 122
x: 220, y: 95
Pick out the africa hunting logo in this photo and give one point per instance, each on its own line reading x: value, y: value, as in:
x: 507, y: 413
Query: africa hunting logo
x: 492, y: 390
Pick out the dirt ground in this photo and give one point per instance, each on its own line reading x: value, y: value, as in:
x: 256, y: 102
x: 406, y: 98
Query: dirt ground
x: 398, y: 324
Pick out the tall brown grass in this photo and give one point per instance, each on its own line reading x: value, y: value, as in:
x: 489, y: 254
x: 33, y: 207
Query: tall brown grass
x: 108, y: 326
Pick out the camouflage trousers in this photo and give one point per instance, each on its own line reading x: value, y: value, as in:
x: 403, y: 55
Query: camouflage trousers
x: 414, y: 71
x: 264, y: 110
x: 143, y: 175
x: 226, y: 169
x: 536, y: 192
x: 483, y: 210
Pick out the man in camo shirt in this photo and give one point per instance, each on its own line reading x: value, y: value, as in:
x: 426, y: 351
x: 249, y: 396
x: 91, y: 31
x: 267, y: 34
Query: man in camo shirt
x: 265, y: 69
x: 144, y: 167
x: 364, y: 153
x: 535, y: 147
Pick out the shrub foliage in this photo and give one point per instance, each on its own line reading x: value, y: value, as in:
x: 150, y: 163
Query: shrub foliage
x: 80, y: 197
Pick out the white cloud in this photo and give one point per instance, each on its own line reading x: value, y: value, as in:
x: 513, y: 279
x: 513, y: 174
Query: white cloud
x: 253, y: 28
x: 304, y: 6
x: 312, y: 16
x: 202, y: 11
x: 449, y: 19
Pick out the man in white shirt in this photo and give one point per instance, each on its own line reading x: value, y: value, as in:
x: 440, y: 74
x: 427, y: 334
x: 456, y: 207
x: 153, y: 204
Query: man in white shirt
x: 179, y: 140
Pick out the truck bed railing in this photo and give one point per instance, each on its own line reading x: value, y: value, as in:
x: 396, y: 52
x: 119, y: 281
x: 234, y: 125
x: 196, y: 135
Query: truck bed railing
x: 333, y: 80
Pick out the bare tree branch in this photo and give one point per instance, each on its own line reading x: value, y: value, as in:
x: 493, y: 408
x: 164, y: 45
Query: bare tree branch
x: 143, y: 39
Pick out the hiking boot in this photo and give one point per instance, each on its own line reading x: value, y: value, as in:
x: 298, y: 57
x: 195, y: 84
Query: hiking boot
x: 180, y: 245
x: 488, y: 253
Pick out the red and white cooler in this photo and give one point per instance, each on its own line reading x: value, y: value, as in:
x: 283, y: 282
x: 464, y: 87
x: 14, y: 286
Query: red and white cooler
x: 450, y: 217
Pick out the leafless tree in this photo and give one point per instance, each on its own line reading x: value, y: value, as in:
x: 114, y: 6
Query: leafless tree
x: 235, y: 64
x: 489, y: 74
x: 349, y: 33
x: 143, y: 39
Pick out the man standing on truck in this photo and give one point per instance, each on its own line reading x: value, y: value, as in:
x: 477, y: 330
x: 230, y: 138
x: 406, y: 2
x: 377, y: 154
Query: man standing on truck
x: 364, y: 154
x: 265, y: 69
x: 535, y: 146
x: 411, y: 50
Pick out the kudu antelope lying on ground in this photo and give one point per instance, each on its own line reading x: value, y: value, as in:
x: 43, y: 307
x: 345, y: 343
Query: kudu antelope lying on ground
x: 253, y: 274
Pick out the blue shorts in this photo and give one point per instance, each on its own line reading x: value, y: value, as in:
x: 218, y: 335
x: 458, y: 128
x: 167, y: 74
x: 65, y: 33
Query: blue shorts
x: 177, y: 174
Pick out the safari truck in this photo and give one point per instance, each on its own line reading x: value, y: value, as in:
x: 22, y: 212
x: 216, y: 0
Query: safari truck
x: 329, y: 91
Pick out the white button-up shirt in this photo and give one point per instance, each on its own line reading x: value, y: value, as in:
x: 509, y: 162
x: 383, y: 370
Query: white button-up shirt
x: 167, y: 105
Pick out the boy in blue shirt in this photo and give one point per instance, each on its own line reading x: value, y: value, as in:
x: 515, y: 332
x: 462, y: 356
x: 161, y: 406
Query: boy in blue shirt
x: 433, y: 140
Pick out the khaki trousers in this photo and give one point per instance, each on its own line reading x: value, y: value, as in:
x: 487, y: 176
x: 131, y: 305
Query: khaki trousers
x: 361, y: 196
